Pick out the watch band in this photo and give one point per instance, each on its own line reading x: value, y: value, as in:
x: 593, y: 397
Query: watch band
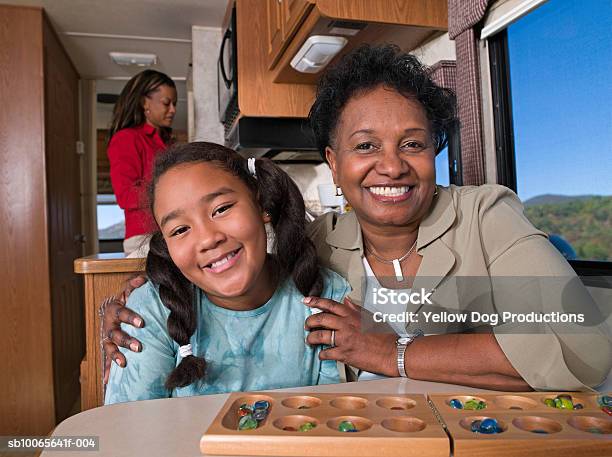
x: 401, y: 351
x: 402, y: 343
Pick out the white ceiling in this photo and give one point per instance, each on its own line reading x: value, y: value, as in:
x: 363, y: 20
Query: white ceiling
x: 90, y: 29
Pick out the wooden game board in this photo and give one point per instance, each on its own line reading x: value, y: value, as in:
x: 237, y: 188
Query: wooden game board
x: 410, y: 429
x: 567, y: 435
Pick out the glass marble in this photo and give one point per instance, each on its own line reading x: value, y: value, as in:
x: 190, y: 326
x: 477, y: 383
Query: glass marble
x: 562, y: 401
x: 261, y: 404
x: 474, y: 405
x: 487, y: 426
x: 455, y: 403
x: 347, y: 426
x: 307, y: 426
x: 247, y: 423
x: 475, y: 427
x: 260, y: 414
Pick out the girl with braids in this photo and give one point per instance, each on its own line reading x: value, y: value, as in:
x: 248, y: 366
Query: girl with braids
x: 223, y: 315
x: 141, y: 128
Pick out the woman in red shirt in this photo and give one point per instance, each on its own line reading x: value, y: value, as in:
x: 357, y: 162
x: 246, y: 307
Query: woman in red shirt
x: 140, y: 130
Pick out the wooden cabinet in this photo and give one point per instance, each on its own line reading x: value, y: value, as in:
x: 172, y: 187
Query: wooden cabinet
x: 271, y: 32
x: 105, y: 276
x: 283, y: 18
x: 274, y: 28
x: 42, y: 328
x: 294, y: 11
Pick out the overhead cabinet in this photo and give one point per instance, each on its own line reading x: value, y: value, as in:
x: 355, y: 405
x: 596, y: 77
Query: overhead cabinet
x: 269, y: 37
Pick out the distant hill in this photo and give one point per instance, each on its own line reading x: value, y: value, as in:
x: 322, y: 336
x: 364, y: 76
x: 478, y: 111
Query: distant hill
x: 112, y: 232
x: 548, y: 199
x: 585, y: 222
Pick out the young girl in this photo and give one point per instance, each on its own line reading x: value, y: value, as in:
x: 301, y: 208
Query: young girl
x: 223, y: 315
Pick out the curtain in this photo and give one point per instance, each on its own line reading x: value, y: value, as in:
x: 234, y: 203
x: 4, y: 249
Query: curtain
x: 444, y: 74
x: 463, y: 15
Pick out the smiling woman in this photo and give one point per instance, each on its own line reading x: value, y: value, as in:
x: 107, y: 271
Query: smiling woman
x: 379, y: 121
x: 141, y: 128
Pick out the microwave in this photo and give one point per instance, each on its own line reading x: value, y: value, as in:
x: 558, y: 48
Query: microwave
x: 254, y: 136
x: 227, y: 74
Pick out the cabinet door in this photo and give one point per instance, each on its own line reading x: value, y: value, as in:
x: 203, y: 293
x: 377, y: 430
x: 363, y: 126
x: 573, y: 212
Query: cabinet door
x: 275, y: 33
x: 294, y: 11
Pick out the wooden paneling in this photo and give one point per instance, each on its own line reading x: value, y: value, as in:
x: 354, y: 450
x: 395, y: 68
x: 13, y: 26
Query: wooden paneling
x: 422, y: 13
x: 26, y: 378
x: 42, y: 325
x: 259, y: 95
x: 64, y: 220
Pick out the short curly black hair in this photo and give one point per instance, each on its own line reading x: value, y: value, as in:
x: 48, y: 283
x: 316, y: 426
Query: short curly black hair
x: 368, y: 67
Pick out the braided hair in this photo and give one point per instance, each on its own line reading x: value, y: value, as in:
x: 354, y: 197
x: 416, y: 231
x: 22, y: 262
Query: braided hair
x: 294, y: 253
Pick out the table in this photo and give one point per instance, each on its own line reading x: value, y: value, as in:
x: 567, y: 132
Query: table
x: 173, y: 426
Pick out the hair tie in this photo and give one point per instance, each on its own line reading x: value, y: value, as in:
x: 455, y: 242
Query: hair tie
x: 251, y: 167
x: 185, y: 350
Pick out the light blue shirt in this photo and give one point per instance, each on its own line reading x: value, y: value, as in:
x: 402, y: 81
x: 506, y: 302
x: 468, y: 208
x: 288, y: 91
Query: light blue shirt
x: 258, y: 349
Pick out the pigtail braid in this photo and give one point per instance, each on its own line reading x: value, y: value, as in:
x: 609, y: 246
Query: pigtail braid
x: 177, y: 294
x: 295, y: 252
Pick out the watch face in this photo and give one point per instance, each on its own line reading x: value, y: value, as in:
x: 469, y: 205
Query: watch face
x: 404, y: 340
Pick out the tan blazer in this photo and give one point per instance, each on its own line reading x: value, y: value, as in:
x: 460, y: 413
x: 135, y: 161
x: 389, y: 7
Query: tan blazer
x: 482, y: 232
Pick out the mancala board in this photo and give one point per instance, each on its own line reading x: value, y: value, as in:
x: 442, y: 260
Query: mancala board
x: 387, y: 426
x: 528, y: 426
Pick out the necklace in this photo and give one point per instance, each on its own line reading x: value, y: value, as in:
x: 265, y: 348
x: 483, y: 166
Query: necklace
x: 399, y: 274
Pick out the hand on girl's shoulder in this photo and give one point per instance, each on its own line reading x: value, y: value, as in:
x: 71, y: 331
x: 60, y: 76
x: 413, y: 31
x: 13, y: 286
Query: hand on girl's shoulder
x: 335, y: 287
x: 145, y: 300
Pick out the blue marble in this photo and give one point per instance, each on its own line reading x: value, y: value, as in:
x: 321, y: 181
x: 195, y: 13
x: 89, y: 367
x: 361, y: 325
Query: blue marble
x: 261, y: 404
x: 454, y: 403
x: 489, y: 426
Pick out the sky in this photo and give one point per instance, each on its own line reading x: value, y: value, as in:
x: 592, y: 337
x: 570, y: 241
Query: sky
x: 560, y: 71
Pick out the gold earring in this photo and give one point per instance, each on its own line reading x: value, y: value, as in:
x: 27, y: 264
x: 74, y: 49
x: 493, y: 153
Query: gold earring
x: 338, y: 191
x: 436, y: 191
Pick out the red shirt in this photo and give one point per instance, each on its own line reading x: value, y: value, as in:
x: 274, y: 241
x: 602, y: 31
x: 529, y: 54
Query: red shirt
x: 132, y: 152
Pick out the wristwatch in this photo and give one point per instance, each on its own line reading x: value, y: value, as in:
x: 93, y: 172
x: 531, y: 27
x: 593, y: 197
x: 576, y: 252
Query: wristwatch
x: 402, y: 343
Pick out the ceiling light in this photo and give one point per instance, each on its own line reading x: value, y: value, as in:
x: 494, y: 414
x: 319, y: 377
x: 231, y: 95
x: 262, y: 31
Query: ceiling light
x: 316, y: 52
x: 130, y: 58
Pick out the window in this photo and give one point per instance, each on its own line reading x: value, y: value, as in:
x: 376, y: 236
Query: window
x: 553, y: 121
x: 111, y: 223
x: 448, y: 162
x: 442, y: 168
